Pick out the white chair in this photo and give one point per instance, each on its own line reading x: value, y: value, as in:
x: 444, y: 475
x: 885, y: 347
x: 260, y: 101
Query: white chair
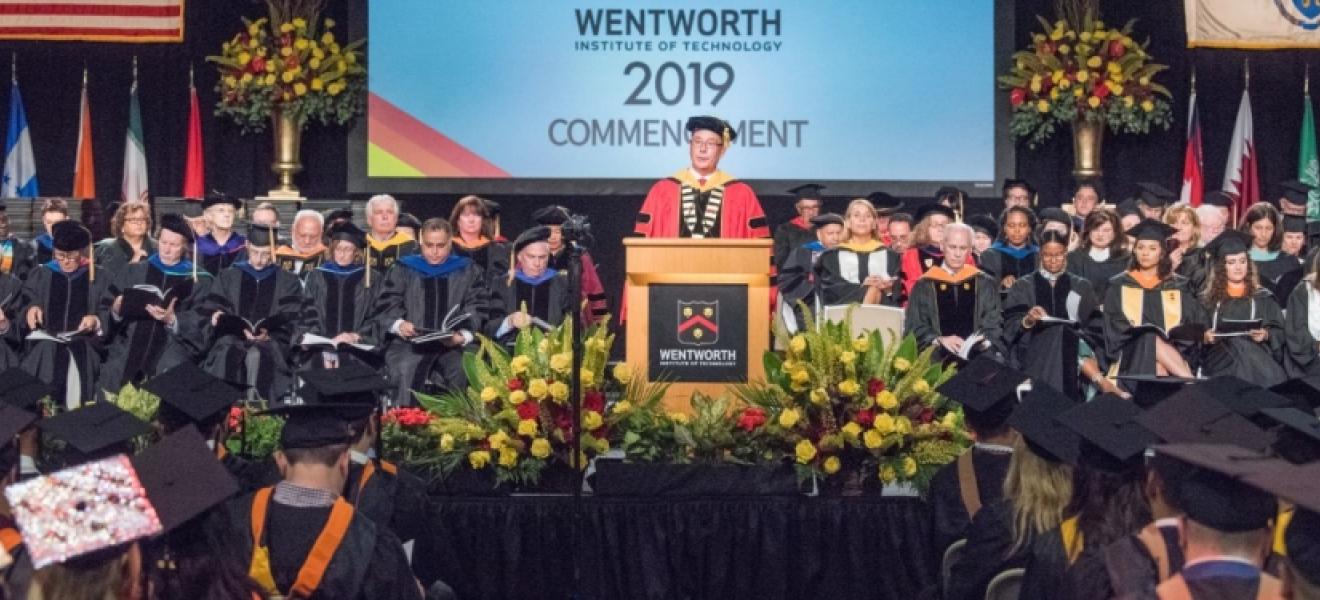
x: 951, y: 556
x: 1005, y: 586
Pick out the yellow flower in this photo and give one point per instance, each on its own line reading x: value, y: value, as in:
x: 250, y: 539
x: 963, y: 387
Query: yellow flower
x: 559, y: 391
x: 1043, y: 106
x: 1094, y: 62
x: 327, y: 38
x: 244, y: 58
x: 252, y: 43
x: 537, y: 388
x: 301, y: 44
x: 801, y: 376
x: 498, y: 439
x: 884, y: 423
x: 287, y: 77
x: 286, y: 51
x: 540, y: 447
x: 329, y: 23
x: 1054, y: 94
x: 1085, y: 36
x: 588, y: 377
x: 622, y: 407
x: 805, y: 451
x: 270, y: 68
x: 254, y: 28
x: 798, y: 344
x: 873, y: 439
x: 887, y: 400
x: 1083, y: 76
x: 848, y: 357
x: 1064, y: 49
x: 447, y: 442
x: 1036, y: 84
x: 591, y: 420
x: 1063, y: 85
x: 909, y: 467
x: 286, y: 28
x: 623, y: 373
x: 527, y: 427
x: 1147, y: 105
x: 820, y: 397
x: 789, y: 417
x: 300, y: 89
x: 489, y: 394
x: 1077, y: 92
x: 299, y: 22
x: 887, y: 474
x: 851, y: 429
x: 849, y: 387
x: 562, y: 362
x: 230, y: 81
x: 479, y: 459
x: 903, y: 425
x: 286, y: 96
x: 1056, y: 35
x: 1144, y: 81
x: 247, y: 78
x: 861, y: 344
x: 921, y: 387
x: 1093, y: 101
x: 519, y: 363
x: 902, y: 364
x: 1114, y: 67
x: 1128, y: 101
x: 1056, y: 76
x: 678, y: 417
x: 950, y: 420
x: 270, y: 79
x: 508, y: 457
x: 832, y: 465
x: 334, y: 88
x: 517, y: 397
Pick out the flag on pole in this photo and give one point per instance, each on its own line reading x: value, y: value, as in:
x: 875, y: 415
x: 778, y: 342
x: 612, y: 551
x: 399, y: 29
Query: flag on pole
x: 84, y: 173
x: 134, y: 186
x: 1308, y: 162
x: 1193, y: 185
x: 1240, y: 177
x: 194, y: 171
x: 20, y: 175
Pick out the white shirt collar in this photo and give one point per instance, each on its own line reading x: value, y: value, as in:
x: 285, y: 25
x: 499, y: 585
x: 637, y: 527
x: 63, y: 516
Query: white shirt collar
x: 1221, y: 558
x: 1098, y: 253
x: 358, y: 458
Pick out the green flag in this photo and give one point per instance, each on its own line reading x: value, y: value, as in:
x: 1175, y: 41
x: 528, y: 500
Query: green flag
x: 1308, y: 163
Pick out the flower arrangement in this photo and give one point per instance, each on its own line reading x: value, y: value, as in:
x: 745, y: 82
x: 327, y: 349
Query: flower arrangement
x: 1079, y: 68
x: 292, y: 62
x: 139, y: 403
x: 252, y: 433
x: 409, y: 436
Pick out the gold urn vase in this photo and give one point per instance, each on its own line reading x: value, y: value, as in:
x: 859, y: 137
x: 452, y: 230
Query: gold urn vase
x: 1088, y: 138
x: 287, y: 161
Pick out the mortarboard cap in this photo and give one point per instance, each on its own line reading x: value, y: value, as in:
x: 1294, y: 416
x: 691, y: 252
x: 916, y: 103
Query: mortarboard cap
x: 1218, y: 198
x: 1295, y: 191
x: 346, y: 231
x: 198, y: 396
x: 884, y: 203
x: 950, y: 194
x: 1154, y: 195
x: 1034, y: 419
x: 932, y: 209
x: 540, y: 233
x: 1150, y: 229
x: 95, y: 429
x: 70, y: 235
x: 263, y: 235
x: 493, y: 208
x: 338, y: 214
x: 314, y: 425
x: 551, y: 215
x: 984, y: 224
x: 715, y: 124
x: 1228, y: 243
x: 1302, y: 540
x: 1055, y: 214
x: 1192, y: 416
x: 1011, y: 183
x: 824, y: 219
x: 1149, y: 390
x: 1294, y: 224
x: 1303, y: 391
x: 1128, y: 208
x: 216, y: 197
x: 21, y: 389
x: 1251, y: 400
x: 807, y: 191
x: 1214, y: 493
x: 408, y: 220
x: 1112, y: 440
x: 80, y: 510
x: 352, y: 383
x: 176, y: 223
x: 986, y: 389
x: 182, y: 477
x: 12, y: 421
x: 1297, y: 437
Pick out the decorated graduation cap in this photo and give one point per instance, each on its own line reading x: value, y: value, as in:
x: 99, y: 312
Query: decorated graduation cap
x: 189, y: 394
x: 1154, y: 195
x: 1112, y: 440
x: 1218, y: 198
x: 1295, y: 191
x: 984, y: 224
x: 1150, y: 229
x: 1228, y: 243
x: 714, y: 124
x: 182, y: 477
x: 551, y: 215
x: 348, y: 232
x: 987, y: 390
x: 1034, y: 419
x: 1150, y: 390
x: 1296, y: 436
x: 933, y: 209
x: 20, y: 388
x: 1214, y: 493
x: 1194, y: 416
x: 218, y: 197
x: 95, y: 430
x: 807, y: 191
x: 825, y: 219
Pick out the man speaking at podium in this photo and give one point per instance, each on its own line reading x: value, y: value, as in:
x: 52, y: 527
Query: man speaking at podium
x: 702, y: 201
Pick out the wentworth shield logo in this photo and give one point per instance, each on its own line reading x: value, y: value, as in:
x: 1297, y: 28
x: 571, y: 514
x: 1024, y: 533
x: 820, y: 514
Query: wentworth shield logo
x: 698, y: 323
x: 1302, y: 13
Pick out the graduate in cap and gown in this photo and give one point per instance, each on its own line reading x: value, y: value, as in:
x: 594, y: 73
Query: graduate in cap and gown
x: 13, y: 421
x: 1246, y: 336
x: 265, y: 296
x: 1279, y: 272
x: 1101, y: 252
x: 594, y: 305
x: 954, y: 300
x: 1301, y: 331
x: 1152, y: 199
x: 797, y: 281
x: 221, y: 246
x: 304, y: 525
x: 63, y: 296
x: 147, y: 338
x: 341, y: 296
x: 91, y: 433
x: 1294, y: 238
x: 1015, y: 254
x: 422, y: 294
x: 860, y: 269
x: 532, y: 294
x: 1145, y: 304
x: 798, y: 230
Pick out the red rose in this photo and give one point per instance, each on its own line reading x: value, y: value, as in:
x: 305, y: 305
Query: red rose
x: 594, y: 400
x: 875, y: 386
x: 751, y: 418
x: 1116, y: 49
x: 291, y: 62
x: 235, y: 419
x: 864, y: 417
x: 1101, y: 91
x: 1016, y: 98
x: 515, y: 384
x: 258, y: 65
x: 529, y: 410
x: 927, y: 415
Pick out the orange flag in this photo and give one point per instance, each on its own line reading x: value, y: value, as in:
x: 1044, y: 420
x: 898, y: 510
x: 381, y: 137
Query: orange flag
x: 84, y: 175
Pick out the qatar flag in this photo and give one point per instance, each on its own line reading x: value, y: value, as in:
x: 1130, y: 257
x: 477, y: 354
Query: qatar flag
x: 1240, y: 177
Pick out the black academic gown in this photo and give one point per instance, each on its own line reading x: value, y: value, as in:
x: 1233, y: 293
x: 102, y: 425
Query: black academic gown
x: 1223, y: 580
x: 989, y: 552
x: 942, y: 306
x: 1048, y: 352
x: 11, y: 300
x: 396, y: 500
x: 1261, y: 364
x: 493, y: 257
x: 840, y: 272
x: 1195, y: 268
x: 949, y: 518
x: 64, y: 300
x: 382, y: 255
x: 546, y: 298
x: 424, y: 298
x: 797, y: 283
x: 15, y: 257
x: 215, y: 257
x: 1124, y: 568
x: 1279, y: 275
x: 114, y: 254
x: 1002, y: 262
x: 338, y: 301
x: 1300, y: 356
x: 790, y: 236
x: 368, y: 564
x: 42, y: 249
x: 251, y: 475
x: 1046, y: 567
x: 238, y: 291
x: 141, y: 348
x: 1132, y: 348
x: 1097, y: 272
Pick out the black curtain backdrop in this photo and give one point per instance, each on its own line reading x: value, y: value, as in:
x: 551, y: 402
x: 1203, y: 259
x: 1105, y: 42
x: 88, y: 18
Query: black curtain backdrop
x: 50, y: 75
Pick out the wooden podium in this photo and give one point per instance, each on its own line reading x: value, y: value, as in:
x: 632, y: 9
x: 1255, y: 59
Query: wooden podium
x: 698, y: 312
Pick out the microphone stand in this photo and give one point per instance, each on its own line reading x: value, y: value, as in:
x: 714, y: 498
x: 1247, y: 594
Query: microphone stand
x: 575, y: 390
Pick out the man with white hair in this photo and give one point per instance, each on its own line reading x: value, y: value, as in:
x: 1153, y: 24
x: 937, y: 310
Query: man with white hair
x: 305, y: 250
x: 1213, y: 220
x: 385, y: 243
x: 954, y: 302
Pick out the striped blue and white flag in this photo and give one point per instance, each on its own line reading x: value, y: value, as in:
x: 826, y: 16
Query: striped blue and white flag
x: 20, y: 175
